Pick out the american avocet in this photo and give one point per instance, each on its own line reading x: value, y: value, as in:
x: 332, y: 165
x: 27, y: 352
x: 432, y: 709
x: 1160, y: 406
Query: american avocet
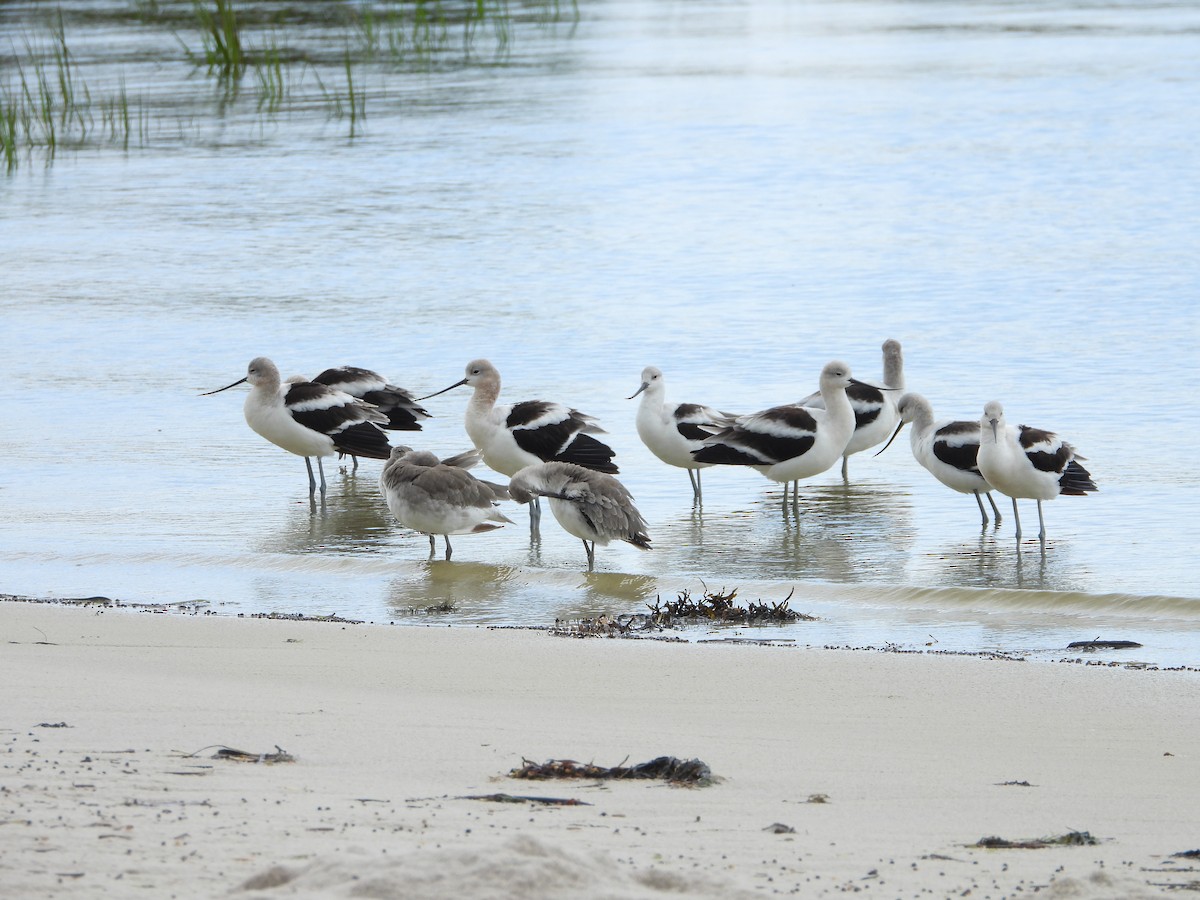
x: 1028, y: 462
x: 403, y: 412
x: 511, y: 437
x: 787, y: 443
x: 874, y: 405
x: 592, y: 506
x: 435, y: 496
x: 309, y: 419
x: 672, y: 431
x: 949, y: 450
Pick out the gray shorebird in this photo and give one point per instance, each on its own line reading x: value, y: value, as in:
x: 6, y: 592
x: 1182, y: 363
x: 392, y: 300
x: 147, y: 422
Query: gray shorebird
x: 592, y: 506
x: 435, y: 496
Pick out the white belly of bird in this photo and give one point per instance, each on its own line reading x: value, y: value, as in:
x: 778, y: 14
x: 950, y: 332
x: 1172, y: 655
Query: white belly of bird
x: 573, y: 522
x: 499, y: 448
x: 879, y: 430
x: 435, y: 518
x: 1011, y: 473
x: 276, y: 424
x: 664, y: 441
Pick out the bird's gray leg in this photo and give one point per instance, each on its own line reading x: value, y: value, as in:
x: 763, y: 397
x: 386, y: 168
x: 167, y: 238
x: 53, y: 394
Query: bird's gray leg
x: 846, y: 468
x: 1041, y: 523
x: 590, y: 550
x: 982, y: 511
x: 312, y: 482
x: 1017, y: 517
x: 535, y: 518
x: 432, y: 546
x: 449, y: 549
x: 321, y: 469
x: 796, y: 497
x: 355, y: 458
x: 995, y: 508
x: 694, y: 478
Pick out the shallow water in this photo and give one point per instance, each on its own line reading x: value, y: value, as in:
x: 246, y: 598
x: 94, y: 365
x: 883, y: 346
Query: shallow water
x: 736, y: 193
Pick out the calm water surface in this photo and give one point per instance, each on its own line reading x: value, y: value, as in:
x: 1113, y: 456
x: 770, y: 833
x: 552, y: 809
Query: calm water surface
x: 733, y: 192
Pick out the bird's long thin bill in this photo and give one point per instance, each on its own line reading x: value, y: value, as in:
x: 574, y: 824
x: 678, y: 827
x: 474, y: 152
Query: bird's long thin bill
x: 443, y: 390
x: 227, y: 387
x: 892, y: 438
x: 638, y: 391
x: 877, y: 387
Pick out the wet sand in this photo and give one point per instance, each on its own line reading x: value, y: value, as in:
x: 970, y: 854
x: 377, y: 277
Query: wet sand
x: 838, y: 771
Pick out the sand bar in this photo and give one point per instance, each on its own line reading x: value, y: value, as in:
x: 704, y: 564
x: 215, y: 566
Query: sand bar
x: 109, y: 788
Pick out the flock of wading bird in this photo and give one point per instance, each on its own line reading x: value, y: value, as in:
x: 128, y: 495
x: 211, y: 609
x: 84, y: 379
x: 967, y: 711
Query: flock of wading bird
x: 548, y: 449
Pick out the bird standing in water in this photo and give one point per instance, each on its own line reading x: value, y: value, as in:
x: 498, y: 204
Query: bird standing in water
x: 309, y: 419
x: 513, y: 436
x: 672, y: 432
x: 592, y: 506
x: 435, y: 496
x: 1029, y: 463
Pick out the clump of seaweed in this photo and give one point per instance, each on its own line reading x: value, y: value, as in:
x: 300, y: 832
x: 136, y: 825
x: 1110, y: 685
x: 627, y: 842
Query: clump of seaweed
x: 717, y: 607
x: 690, y: 772
x: 1070, y: 839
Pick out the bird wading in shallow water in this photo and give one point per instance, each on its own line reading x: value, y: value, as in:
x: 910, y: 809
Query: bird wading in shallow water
x: 309, y: 419
x: 1028, y: 463
x: 788, y: 443
x: 948, y: 450
x: 435, y: 496
x: 874, y: 405
x: 672, y: 432
x: 592, y: 506
x: 513, y: 436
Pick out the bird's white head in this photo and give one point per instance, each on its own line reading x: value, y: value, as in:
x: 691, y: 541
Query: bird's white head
x: 836, y: 374
x: 261, y: 371
x: 993, y: 419
x: 652, y: 379
x: 480, y: 373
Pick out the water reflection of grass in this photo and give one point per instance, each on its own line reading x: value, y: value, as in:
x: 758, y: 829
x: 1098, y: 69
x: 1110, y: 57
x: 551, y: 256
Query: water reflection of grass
x: 298, y: 58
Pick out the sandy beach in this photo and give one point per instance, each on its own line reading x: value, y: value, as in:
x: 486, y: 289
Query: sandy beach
x: 837, y: 771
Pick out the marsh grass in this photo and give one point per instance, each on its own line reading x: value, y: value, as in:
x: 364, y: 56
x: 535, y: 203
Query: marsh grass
x: 46, y: 105
x: 221, y: 38
x: 292, y: 59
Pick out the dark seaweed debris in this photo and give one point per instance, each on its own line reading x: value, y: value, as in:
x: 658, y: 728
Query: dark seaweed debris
x: 1098, y: 644
x: 691, y: 772
x: 1070, y: 839
x: 714, y: 606
x: 525, y: 798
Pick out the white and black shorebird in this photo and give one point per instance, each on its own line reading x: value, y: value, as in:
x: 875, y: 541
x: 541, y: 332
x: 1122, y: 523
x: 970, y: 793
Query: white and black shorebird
x: 671, y: 431
x: 874, y: 405
x: 949, y: 450
x: 1028, y: 463
x: 435, y: 496
x: 309, y: 419
x: 791, y: 442
x: 592, y: 506
x: 513, y: 436
x: 403, y: 411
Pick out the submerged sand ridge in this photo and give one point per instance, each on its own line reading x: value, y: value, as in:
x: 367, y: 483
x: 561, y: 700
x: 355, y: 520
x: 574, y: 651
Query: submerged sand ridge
x: 111, y: 720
